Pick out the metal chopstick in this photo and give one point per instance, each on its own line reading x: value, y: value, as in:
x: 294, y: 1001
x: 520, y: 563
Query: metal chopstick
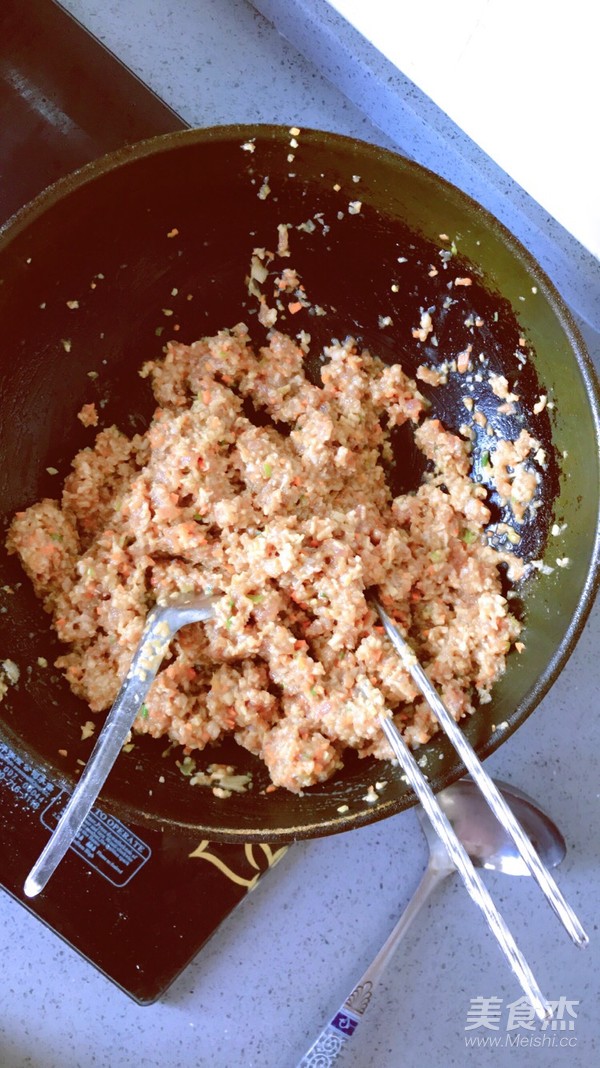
x: 472, y: 880
x: 487, y: 786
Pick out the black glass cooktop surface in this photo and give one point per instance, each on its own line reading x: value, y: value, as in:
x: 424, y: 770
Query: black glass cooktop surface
x: 137, y: 903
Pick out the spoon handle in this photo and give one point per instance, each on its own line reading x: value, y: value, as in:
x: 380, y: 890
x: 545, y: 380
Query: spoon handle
x: 458, y: 854
x: 490, y: 791
x: 161, y: 625
x: 326, y: 1049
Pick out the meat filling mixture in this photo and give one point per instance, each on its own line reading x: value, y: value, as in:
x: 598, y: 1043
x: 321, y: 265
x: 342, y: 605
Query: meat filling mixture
x: 255, y: 484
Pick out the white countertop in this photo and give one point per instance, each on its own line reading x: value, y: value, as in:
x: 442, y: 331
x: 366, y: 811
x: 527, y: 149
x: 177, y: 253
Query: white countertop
x: 521, y: 79
x: 279, y: 966
x: 404, y: 112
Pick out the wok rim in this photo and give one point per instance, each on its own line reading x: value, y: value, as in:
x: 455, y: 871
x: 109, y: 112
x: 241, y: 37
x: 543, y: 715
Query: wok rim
x: 162, y: 143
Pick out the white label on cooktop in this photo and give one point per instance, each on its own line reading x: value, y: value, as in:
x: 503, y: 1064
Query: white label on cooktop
x: 107, y: 845
x: 26, y: 783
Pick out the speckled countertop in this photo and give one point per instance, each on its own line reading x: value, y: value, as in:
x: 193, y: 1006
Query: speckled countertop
x: 260, y: 991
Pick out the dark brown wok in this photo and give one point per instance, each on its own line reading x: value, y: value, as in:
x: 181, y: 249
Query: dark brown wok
x: 108, y: 225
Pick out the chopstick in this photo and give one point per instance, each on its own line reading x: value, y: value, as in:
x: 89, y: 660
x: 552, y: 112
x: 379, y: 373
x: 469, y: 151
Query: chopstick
x: 488, y: 788
x: 472, y: 880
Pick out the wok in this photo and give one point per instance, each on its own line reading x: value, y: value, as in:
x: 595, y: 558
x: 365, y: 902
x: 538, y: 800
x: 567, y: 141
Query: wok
x: 100, y: 238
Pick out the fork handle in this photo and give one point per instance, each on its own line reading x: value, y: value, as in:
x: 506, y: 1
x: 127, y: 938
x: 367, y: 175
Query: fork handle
x: 326, y: 1049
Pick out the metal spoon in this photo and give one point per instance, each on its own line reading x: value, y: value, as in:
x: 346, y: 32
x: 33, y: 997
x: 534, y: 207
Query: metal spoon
x: 162, y: 623
x: 488, y: 845
x: 465, y: 751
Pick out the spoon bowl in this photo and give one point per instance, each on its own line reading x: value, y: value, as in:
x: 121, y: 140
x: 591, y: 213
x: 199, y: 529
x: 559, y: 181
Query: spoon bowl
x: 487, y: 843
x: 489, y: 846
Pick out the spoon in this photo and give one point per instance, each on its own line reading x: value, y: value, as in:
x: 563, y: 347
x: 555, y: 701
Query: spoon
x: 488, y: 845
x: 162, y: 623
x: 495, y: 800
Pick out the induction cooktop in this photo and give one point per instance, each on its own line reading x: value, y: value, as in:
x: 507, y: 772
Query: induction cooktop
x: 138, y: 903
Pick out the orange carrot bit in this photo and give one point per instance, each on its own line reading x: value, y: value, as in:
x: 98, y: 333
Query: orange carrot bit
x: 415, y: 596
x: 206, y: 396
x: 463, y: 360
x: 294, y: 307
x: 270, y: 788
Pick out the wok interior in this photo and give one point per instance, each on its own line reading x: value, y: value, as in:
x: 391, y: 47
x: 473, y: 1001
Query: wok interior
x: 102, y: 239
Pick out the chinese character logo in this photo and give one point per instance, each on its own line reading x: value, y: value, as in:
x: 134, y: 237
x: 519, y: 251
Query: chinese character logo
x: 521, y: 1025
x: 484, y: 1012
